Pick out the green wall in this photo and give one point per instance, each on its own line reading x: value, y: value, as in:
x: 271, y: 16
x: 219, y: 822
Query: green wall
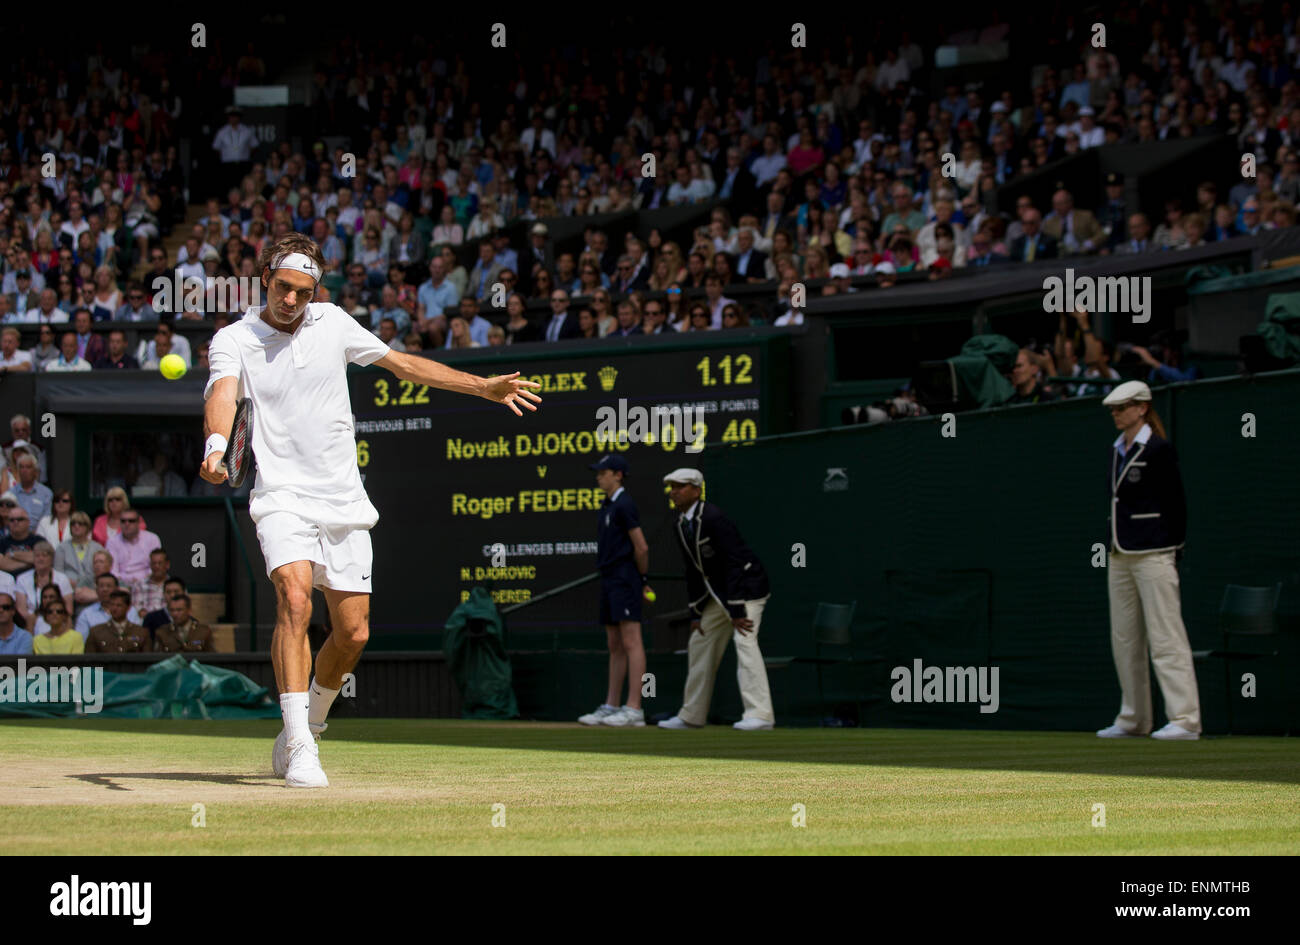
x: 977, y: 549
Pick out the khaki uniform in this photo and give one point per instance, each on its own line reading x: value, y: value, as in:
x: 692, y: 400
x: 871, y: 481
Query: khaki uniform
x: 124, y: 637
x: 190, y: 637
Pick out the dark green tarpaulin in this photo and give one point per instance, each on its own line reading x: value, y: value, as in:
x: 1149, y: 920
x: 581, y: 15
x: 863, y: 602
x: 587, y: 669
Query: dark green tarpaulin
x: 1281, y: 326
x: 1211, y: 280
x: 1211, y: 277
x: 474, y: 641
x: 174, y: 688
x: 980, y: 366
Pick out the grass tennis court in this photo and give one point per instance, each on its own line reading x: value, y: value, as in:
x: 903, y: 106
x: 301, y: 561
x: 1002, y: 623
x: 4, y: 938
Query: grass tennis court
x: 429, y: 786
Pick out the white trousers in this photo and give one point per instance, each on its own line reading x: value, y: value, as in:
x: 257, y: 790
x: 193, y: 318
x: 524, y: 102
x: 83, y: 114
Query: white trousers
x: 704, y: 653
x: 1146, y: 622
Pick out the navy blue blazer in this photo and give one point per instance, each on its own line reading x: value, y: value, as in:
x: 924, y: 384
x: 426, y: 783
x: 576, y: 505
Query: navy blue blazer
x: 719, y: 564
x: 1148, y: 508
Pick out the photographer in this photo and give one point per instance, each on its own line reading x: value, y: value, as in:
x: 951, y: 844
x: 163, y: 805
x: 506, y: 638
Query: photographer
x: 1164, y: 359
x: 1025, y: 378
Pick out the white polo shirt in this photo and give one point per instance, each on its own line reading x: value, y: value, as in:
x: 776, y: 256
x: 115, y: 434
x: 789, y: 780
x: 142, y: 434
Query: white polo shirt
x: 26, y: 582
x: 303, y: 437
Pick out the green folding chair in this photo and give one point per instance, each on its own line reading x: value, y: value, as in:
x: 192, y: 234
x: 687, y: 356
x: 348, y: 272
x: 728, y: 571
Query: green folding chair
x: 1244, y: 611
x: 831, y: 631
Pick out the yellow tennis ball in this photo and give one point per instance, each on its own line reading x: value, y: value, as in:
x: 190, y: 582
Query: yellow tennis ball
x: 649, y: 595
x: 172, y: 367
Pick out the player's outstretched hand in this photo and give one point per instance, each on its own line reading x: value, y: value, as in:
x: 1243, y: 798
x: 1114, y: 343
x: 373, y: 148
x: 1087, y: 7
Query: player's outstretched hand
x: 510, y: 389
x: 212, y: 469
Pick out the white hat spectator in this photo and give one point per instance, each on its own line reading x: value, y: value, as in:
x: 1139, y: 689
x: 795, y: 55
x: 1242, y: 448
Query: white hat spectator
x: 539, y: 229
x: 1086, y: 110
x: 885, y: 266
x: 1129, y: 390
x: 839, y: 271
x: 998, y: 107
x: 691, y: 477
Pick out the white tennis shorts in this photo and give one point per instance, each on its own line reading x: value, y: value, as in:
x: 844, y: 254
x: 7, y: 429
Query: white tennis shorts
x: 340, y: 556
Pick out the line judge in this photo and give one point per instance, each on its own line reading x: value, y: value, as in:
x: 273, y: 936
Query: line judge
x: 728, y: 589
x: 1148, y: 522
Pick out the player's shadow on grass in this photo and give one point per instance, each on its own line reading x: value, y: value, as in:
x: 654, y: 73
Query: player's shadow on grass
x: 109, y: 780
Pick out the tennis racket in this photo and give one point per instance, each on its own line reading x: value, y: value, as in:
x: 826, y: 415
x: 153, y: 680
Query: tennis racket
x: 238, y: 458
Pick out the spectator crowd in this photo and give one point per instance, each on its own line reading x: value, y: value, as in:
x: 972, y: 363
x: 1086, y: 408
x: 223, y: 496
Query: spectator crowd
x: 70, y: 584
x: 809, y: 165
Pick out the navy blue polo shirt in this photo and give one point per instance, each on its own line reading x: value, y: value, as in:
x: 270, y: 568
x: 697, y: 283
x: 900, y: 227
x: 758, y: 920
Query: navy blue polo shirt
x: 618, y: 516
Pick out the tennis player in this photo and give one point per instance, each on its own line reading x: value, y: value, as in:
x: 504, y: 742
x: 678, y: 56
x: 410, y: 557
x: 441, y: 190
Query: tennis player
x: 312, y: 514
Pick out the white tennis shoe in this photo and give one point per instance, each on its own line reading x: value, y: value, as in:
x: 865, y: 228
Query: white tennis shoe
x: 1175, y: 732
x: 1114, y: 731
x: 280, y: 753
x: 626, y: 717
x: 677, y: 724
x: 304, y: 765
x: 595, y: 718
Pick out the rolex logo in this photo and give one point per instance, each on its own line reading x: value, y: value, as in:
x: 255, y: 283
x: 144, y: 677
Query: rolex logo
x: 607, y: 374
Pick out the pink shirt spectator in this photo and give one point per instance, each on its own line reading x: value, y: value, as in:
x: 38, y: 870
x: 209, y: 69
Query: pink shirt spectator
x: 131, y: 558
x: 100, y: 532
x: 801, y: 159
x: 410, y: 176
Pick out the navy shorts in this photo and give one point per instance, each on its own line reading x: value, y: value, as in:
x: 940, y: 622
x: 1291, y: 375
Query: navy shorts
x: 620, y: 596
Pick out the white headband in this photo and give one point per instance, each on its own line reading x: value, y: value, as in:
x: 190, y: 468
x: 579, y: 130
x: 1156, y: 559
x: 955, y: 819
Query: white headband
x: 301, y: 263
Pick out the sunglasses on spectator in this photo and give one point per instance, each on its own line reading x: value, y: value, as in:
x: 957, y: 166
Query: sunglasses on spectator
x: 131, y: 519
x: 6, y: 606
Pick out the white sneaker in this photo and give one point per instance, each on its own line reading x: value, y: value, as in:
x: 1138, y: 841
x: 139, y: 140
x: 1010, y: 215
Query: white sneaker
x: 304, y: 769
x: 1175, y: 732
x: 753, y: 725
x: 625, y: 717
x: 1114, y: 731
x: 280, y: 753
x: 595, y: 718
x: 676, y: 723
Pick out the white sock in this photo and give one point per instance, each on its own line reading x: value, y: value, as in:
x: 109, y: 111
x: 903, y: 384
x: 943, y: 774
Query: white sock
x: 293, y: 706
x: 318, y: 705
